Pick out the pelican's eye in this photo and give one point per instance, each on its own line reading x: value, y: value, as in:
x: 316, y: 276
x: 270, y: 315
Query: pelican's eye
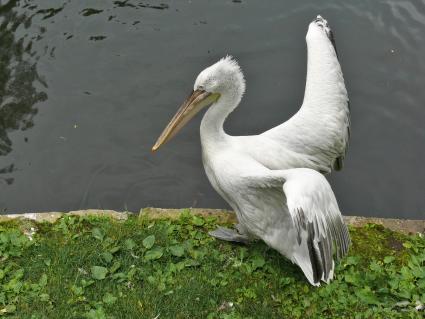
x: 201, y: 87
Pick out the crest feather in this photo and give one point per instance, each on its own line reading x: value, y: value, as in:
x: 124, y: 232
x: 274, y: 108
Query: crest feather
x: 229, y: 62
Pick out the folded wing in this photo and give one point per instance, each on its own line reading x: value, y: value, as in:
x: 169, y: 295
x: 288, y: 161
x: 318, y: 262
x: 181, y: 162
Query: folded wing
x: 298, y: 215
x: 318, y: 224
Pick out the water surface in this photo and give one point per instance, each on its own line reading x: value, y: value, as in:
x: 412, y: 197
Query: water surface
x: 86, y: 90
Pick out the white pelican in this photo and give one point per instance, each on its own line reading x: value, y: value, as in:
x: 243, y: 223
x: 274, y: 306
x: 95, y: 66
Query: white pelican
x: 272, y: 180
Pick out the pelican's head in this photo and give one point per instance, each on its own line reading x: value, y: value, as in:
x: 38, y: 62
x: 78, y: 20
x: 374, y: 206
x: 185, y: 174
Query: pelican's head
x: 220, y: 80
x: 224, y: 77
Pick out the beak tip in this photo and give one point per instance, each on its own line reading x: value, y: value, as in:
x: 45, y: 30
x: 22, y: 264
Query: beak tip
x: 156, y: 147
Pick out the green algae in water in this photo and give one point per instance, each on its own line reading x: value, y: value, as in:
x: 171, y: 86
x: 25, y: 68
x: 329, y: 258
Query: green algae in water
x: 101, y: 268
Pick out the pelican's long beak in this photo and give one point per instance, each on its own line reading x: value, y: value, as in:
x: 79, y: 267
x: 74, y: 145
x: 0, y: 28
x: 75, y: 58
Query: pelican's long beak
x: 196, y: 101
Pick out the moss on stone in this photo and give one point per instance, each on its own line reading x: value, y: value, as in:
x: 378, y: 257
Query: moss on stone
x: 373, y: 241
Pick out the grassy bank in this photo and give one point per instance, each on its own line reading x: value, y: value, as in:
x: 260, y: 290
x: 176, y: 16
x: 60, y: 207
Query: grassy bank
x: 92, y: 267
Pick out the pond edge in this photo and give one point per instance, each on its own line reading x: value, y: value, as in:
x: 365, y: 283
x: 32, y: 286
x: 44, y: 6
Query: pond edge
x: 407, y: 226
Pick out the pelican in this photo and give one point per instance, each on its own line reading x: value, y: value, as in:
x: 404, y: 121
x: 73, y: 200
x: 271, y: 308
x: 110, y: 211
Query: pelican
x: 274, y: 180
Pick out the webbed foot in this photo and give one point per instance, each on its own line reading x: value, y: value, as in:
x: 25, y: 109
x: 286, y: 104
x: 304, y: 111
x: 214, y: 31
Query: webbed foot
x: 230, y: 235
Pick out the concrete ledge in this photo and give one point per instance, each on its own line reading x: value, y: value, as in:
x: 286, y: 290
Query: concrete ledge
x: 51, y: 217
x: 224, y: 216
x: 401, y: 225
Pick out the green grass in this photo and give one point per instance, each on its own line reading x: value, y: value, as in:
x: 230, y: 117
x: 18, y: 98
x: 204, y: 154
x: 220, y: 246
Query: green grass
x: 85, y: 267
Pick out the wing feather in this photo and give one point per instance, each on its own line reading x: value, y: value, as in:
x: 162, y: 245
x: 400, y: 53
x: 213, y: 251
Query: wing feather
x: 317, y: 221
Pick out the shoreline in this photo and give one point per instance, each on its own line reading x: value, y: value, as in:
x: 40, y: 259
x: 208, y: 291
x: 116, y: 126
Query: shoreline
x: 401, y: 225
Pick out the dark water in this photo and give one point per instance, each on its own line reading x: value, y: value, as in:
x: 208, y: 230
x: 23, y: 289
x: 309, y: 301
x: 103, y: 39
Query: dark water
x: 85, y: 91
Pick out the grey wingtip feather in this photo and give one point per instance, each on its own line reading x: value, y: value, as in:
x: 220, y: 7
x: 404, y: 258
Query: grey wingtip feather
x: 322, y: 247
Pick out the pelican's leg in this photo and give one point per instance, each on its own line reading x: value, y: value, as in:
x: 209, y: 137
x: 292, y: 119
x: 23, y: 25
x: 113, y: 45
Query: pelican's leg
x: 241, y: 230
x: 227, y: 234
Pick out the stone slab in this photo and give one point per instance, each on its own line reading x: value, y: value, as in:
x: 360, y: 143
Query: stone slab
x: 401, y: 225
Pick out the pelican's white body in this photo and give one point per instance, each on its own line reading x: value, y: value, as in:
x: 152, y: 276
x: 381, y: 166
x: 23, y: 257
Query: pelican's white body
x: 267, y: 178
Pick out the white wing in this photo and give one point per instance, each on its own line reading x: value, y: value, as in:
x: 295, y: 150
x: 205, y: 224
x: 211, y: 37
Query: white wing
x: 317, y: 135
x: 309, y: 229
x: 318, y: 222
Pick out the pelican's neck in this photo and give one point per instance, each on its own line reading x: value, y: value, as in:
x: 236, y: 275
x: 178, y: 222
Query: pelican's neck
x: 212, y: 131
